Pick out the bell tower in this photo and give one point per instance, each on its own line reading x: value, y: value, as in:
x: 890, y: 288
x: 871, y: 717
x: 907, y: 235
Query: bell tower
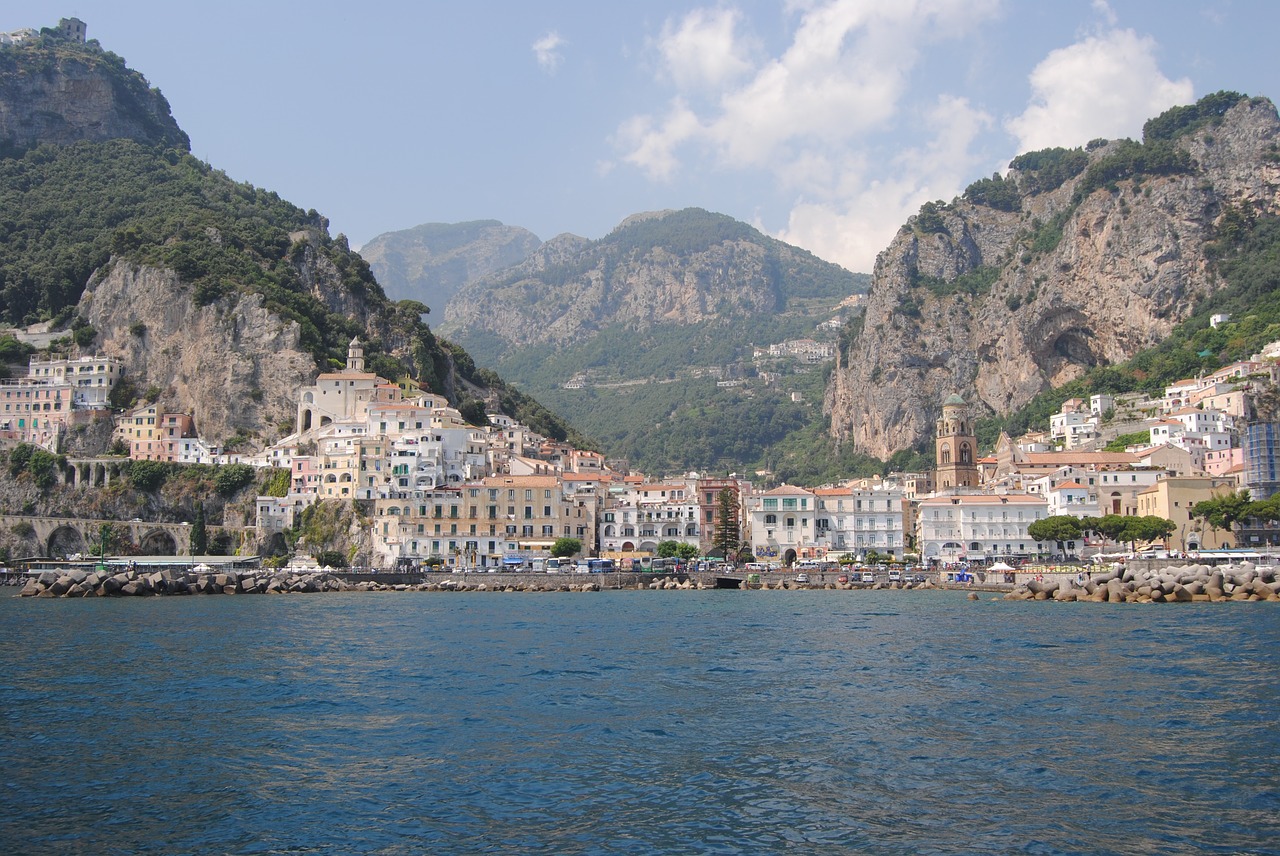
x: 956, y: 447
x: 355, y: 356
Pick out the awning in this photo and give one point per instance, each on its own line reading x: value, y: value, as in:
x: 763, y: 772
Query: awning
x: 513, y: 560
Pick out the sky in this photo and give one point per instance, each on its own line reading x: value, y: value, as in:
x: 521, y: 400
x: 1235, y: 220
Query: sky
x: 824, y: 123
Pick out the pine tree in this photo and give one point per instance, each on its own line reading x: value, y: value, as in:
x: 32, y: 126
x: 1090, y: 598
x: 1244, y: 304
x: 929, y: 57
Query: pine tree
x: 199, y: 535
x: 726, y: 534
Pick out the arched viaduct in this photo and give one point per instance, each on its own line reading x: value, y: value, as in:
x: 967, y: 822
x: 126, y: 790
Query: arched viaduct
x: 67, y: 535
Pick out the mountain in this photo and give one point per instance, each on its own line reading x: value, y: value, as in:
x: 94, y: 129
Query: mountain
x: 645, y: 338
x: 432, y: 262
x: 1077, y: 258
x: 54, y: 90
x: 221, y: 298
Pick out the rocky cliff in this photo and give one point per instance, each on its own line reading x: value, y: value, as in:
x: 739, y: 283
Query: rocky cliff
x: 232, y: 364
x: 432, y: 262
x: 54, y: 91
x: 1034, y: 278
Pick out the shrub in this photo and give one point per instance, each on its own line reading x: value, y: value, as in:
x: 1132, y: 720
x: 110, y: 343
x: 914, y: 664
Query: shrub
x: 231, y: 478
x: 148, y: 475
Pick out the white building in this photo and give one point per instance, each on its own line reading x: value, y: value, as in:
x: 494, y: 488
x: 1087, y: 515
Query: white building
x: 783, y: 524
x: 857, y: 521
x: 979, y: 526
x: 641, y: 516
x: 92, y: 378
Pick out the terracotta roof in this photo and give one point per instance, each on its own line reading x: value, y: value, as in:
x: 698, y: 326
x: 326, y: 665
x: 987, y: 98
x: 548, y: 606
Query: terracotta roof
x: 1071, y: 485
x: 787, y: 490
x: 987, y: 499
x: 348, y: 376
x: 1057, y: 459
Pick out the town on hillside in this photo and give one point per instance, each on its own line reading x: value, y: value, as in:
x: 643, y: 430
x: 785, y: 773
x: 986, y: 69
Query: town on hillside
x: 440, y: 491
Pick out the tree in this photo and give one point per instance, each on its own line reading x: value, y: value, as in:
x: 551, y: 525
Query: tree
x: 1058, y: 528
x: 1149, y: 528
x: 1224, y: 512
x: 563, y: 548
x: 199, y: 534
x: 726, y: 534
x: 677, y: 550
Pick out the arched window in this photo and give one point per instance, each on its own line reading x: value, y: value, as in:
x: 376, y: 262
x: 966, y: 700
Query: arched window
x: 966, y: 456
x: 946, y: 454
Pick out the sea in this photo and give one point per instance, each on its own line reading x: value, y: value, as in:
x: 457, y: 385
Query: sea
x: 637, y: 722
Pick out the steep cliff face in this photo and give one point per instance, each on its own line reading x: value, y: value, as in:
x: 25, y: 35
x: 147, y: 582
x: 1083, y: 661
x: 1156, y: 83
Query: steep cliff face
x: 432, y: 262
x: 232, y: 364
x: 61, y: 92
x: 1001, y: 304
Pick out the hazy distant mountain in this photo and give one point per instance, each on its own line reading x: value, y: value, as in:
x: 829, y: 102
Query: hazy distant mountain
x: 432, y: 262
x: 655, y: 326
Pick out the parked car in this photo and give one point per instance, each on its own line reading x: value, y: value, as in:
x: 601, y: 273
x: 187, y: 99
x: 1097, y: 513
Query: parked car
x: 895, y: 576
x: 868, y: 577
x: 802, y: 578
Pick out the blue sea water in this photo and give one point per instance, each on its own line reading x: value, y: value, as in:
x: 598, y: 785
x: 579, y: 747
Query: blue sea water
x: 637, y: 723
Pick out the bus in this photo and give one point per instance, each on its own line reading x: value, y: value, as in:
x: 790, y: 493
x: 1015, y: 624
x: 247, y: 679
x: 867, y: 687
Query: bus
x: 558, y: 566
x: 601, y: 566
x: 664, y: 566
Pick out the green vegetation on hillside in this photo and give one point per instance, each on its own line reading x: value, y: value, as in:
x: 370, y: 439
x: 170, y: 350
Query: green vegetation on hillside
x: 1048, y: 169
x: 66, y: 210
x: 1179, y: 121
x: 994, y: 192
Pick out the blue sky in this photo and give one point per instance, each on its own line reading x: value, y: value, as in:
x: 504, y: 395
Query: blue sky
x: 822, y: 122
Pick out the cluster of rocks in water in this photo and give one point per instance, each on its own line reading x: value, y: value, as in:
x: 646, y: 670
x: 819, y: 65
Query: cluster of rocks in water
x: 1179, y: 584
x: 132, y: 583
x: 80, y: 583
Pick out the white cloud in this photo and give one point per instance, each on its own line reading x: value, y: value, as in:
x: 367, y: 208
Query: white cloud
x: 547, y: 51
x: 1103, y: 86
x: 858, y: 217
x: 810, y: 115
x: 704, y: 49
x: 651, y: 145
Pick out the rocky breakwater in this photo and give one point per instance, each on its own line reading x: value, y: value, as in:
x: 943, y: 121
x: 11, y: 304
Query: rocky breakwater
x: 134, y: 583
x: 794, y: 585
x: 1180, y: 584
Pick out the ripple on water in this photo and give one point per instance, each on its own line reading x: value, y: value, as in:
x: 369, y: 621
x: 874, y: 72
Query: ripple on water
x: 696, y: 722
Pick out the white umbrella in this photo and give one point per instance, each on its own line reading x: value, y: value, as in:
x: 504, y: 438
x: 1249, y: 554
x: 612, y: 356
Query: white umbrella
x: 1000, y: 566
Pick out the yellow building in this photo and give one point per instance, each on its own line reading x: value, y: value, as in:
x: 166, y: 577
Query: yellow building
x: 1173, y: 499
